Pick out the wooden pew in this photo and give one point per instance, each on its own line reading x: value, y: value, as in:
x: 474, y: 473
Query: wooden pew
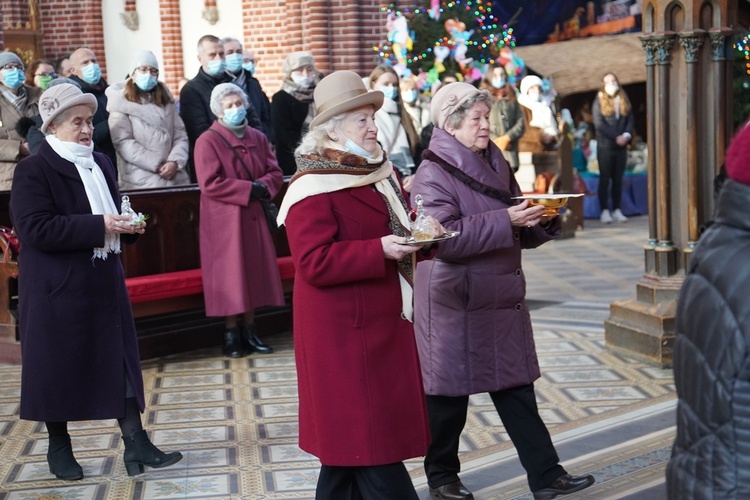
x: 167, y: 256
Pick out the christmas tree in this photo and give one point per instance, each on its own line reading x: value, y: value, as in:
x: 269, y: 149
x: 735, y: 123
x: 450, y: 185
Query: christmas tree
x: 459, y: 38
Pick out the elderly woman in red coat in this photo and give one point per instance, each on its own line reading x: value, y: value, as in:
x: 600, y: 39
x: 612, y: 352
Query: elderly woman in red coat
x: 78, y: 340
x: 361, y: 405
x: 472, y: 324
x: 236, y: 170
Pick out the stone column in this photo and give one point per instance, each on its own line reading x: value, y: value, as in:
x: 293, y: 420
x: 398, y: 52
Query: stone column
x: 649, y: 46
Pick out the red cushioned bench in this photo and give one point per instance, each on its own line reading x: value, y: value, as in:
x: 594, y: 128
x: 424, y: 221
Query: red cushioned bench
x: 166, y: 292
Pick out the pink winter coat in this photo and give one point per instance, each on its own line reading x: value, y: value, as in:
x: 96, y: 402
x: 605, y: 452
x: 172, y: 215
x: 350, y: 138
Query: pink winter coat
x: 470, y: 316
x: 238, y: 258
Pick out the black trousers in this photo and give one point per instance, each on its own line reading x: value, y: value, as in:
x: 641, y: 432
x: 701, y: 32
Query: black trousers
x: 518, y: 410
x: 377, y: 482
x: 612, y: 163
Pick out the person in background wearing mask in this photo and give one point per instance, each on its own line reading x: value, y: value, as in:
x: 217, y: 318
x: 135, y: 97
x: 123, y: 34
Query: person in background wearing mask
x: 40, y: 73
x: 506, y: 117
x: 87, y: 73
x: 17, y: 101
x: 396, y: 133
x: 237, y: 68
x: 293, y: 108
x: 195, y: 97
x: 236, y: 171
x: 541, y: 130
x: 148, y: 134
x: 614, y: 125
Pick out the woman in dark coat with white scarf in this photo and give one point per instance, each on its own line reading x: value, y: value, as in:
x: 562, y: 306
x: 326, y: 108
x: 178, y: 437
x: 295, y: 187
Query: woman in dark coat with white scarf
x: 78, y: 341
x: 470, y: 316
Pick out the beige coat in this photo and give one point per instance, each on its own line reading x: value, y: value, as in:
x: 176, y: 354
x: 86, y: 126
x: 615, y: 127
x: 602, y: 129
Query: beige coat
x: 146, y: 136
x: 10, y: 141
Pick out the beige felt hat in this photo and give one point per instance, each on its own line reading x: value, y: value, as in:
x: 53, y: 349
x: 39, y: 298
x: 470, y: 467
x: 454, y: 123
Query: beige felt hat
x: 342, y: 91
x: 57, y: 99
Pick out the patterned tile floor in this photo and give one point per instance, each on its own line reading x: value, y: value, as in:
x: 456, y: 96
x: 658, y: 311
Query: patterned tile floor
x: 235, y: 420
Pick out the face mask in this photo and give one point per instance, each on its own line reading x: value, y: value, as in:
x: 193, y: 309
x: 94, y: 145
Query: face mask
x: 409, y: 96
x: 234, y: 62
x: 498, y: 82
x: 389, y: 91
x: 611, y: 89
x: 216, y: 67
x: 44, y: 82
x: 91, y: 73
x: 302, y: 81
x: 235, y: 116
x: 13, y: 78
x: 145, y: 81
x: 356, y: 149
x: 249, y: 66
x: 535, y: 96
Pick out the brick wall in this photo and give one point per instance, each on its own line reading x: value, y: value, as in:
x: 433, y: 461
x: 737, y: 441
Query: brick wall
x: 2, y: 44
x: 171, y: 41
x: 70, y: 24
x: 14, y: 12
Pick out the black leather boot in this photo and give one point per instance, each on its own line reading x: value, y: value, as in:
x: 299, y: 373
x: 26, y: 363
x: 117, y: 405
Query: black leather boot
x: 140, y: 451
x: 61, y: 461
x: 251, y: 342
x: 232, y: 343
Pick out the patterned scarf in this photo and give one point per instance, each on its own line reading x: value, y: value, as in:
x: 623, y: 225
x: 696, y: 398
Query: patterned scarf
x: 302, y: 94
x: 334, y: 170
x: 18, y: 101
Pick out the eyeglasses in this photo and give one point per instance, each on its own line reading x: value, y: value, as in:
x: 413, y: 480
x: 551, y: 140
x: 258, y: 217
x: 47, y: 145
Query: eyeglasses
x: 12, y: 66
x: 52, y: 74
x: 245, y: 61
x: 147, y: 69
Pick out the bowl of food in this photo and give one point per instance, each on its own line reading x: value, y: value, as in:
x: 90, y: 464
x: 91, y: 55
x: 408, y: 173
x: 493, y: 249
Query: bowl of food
x: 553, y: 203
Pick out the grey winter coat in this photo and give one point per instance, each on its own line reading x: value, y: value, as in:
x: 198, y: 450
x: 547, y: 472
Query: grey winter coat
x: 471, y: 320
x: 711, y: 454
x: 145, y: 137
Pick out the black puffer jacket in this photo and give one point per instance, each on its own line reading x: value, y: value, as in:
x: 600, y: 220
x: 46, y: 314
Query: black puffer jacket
x: 711, y: 454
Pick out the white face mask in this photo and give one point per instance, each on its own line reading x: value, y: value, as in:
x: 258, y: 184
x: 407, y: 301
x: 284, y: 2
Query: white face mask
x: 534, y: 96
x: 302, y: 81
x: 611, y: 89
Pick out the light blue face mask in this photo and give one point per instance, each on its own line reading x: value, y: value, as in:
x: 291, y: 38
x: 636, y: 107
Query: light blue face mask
x: 249, y: 66
x: 216, y: 67
x: 498, y: 83
x: 13, y: 78
x: 91, y: 73
x: 234, y: 62
x: 145, y: 81
x: 409, y: 96
x: 389, y: 91
x: 235, y: 116
x: 356, y: 149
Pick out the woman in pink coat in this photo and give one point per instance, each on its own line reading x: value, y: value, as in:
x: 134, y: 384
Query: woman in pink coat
x: 236, y: 169
x: 361, y: 404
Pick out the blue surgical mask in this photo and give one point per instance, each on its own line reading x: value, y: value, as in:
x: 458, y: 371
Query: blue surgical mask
x: 389, y: 91
x: 409, y: 96
x: 249, y: 66
x: 235, y: 116
x: 145, y: 81
x: 216, y: 67
x: 234, y: 62
x: 356, y: 149
x: 13, y: 78
x: 91, y: 73
x: 498, y: 82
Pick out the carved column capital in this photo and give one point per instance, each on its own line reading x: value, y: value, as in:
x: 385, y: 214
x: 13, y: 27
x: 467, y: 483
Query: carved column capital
x: 691, y: 41
x: 663, y: 47
x: 649, y: 46
x: 718, y: 37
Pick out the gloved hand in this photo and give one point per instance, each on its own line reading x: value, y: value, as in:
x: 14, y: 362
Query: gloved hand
x: 259, y: 191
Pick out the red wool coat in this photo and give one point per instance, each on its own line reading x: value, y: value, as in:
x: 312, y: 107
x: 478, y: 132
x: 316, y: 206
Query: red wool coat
x: 361, y: 401
x: 238, y: 259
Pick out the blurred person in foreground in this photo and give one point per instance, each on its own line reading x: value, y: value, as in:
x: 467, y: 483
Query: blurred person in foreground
x: 236, y: 171
x: 78, y: 338
x: 361, y: 403
x: 711, y: 453
x: 471, y: 320
x: 614, y: 125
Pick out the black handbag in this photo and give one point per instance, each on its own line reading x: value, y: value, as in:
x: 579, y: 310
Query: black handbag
x: 269, y: 207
